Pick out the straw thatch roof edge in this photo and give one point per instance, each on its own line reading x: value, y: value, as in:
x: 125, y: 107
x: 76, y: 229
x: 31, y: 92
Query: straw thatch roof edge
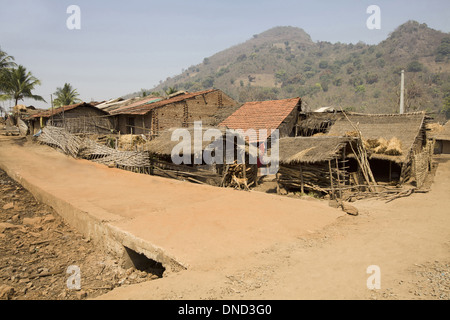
x: 311, y: 149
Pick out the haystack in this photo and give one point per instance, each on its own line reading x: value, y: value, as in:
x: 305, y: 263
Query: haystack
x: 353, y: 134
x: 393, y: 147
x: 128, y: 142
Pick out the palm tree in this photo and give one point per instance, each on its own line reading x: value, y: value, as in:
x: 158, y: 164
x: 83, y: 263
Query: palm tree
x: 18, y: 84
x: 170, y: 91
x: 66, y: 96
x: 6, y: 61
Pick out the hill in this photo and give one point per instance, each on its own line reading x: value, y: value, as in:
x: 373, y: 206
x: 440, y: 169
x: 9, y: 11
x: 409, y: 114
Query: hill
x: 284, y: 62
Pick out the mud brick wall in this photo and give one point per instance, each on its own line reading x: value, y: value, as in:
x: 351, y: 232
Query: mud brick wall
x: 211, y: 109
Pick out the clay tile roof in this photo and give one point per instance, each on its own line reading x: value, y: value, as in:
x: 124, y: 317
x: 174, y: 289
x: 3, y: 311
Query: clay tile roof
x: 143, y: 109
x: 259, y: 115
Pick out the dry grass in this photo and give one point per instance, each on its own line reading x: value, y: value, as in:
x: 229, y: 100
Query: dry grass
x: 392, y: 147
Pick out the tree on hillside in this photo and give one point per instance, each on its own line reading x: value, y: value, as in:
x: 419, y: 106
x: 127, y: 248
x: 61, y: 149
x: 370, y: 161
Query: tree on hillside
x: 443, y: 51
x: 66, y: 96
x: 415, y: 66
x: 170, y: 91
x: 446, y: 103
x: 18, y: 84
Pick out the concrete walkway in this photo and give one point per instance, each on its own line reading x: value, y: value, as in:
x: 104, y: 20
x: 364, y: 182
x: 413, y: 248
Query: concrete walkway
x: 179, y: 224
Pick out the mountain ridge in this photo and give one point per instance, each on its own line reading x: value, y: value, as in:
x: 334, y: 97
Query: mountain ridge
x: 284, y: 62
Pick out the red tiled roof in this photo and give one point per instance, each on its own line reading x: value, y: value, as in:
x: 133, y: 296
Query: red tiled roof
x: 48, y: 113
x: 261, y: 115
x: 144, y: 109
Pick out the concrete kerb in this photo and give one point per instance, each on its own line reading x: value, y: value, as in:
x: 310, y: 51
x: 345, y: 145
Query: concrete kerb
x: 97, y: 227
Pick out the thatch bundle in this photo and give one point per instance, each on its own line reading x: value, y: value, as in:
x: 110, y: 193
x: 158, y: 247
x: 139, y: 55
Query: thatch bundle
x: 129, y: 142
x: 353, y: 134
x: 435, y: 128
x: 392, y: 147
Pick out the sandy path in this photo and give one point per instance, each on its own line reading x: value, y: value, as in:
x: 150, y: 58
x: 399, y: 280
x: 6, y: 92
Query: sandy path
x: 409, y: 239
x: 193, y: 224
x: 278, y: 257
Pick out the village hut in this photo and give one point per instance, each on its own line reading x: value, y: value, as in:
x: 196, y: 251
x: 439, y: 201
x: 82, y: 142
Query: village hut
x: 218, y: 171
x: 316, y: 164
x: 152, y: 115
x: 83, y: 118
x: 266, y: 115
x: 258, y: 120
x: 441, y: 136
x: 396, y: 144
x: 316, y: 123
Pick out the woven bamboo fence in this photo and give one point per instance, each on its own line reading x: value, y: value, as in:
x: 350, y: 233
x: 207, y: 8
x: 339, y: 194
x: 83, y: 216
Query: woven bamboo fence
x: 85, y: 148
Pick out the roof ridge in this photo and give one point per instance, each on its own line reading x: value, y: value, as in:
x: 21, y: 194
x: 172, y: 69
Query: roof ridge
x: 386, y: 114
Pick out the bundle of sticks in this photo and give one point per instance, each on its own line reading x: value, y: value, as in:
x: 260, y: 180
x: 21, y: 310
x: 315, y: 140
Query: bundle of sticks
x: 238, y: 176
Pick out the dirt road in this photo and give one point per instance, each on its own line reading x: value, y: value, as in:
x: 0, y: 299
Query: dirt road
x: 266, y: 253
x: 408, y: 239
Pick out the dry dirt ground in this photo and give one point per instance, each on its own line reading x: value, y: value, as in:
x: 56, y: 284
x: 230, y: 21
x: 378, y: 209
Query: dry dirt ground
x: 408, y: 239
x: 37, y: 247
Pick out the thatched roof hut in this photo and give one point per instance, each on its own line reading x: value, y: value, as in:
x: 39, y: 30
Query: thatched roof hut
x: 163, y: 144
x: 216, y: 172
x: 441, y: 132
x: 407, y: 129
x: 441, y: 135
x: 315, y: 122
x: 311, y: 149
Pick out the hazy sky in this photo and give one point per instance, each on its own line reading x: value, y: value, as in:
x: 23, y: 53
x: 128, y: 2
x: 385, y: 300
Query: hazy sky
x: 124, y: 46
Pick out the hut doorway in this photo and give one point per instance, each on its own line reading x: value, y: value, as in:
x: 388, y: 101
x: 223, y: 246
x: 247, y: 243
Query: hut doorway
x: 130, y: 125
x: 445, y: 147
x: 385, y: 171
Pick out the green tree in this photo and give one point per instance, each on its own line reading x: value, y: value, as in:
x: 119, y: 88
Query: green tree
x: 323, y: 64
x: 66, y: 96
x: 446, y: 103
x: 170, y: 90
x: 6, y: 61
x: 18, y: 84
x: 415, y: 66
x: 360, y: 89
x: 208, y: 82
x: 371, y: 78
x: 443, y: 51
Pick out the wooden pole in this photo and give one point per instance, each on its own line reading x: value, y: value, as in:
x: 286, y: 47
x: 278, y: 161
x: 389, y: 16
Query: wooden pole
x: 278, y: 183
x: 331, y: 180
x: 51, y: 99
x: 339, y: 179
x: 390, y: 171
x: 244, y: 169
x: 302, y: 186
